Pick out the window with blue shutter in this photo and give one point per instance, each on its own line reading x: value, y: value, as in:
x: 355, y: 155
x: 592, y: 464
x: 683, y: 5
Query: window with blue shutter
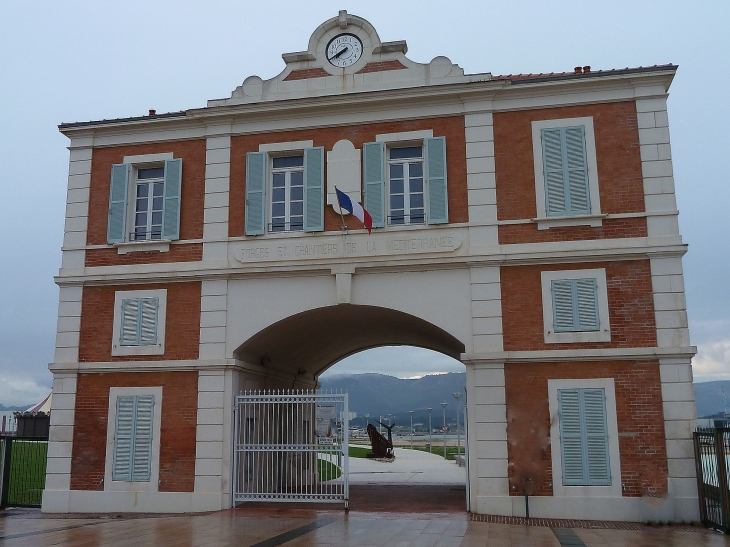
x: 374, y: 181
x: 133, y: 438
x: 565, y: 169
x: 139, y: 321
x: 584, y: 437
x: 575, y: 305
x: 151, y: 201
x: 314, y: 189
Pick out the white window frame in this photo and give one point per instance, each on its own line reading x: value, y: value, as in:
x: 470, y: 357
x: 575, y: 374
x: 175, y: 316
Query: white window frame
x: 142, y: 161
x: 559, y: 490
x: 133, y: 486
x: 400, y: 140
x: 278, y: 150
x: 157, y: 349
x: 603, y: 334
x: 595, y: 218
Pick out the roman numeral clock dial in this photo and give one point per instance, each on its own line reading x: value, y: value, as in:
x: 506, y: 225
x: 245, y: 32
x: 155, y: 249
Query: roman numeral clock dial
x: 344, y: 50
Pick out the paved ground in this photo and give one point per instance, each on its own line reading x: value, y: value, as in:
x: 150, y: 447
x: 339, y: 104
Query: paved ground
x: 259, y: 527
x: 386, y: 509
x: 409, y: 467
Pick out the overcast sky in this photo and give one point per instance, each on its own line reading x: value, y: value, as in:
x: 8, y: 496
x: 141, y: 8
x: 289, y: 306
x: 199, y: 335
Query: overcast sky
x: 77, y: 61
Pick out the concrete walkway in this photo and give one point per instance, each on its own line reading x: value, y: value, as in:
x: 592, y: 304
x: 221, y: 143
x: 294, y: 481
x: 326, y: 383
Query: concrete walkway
x: 318, y: 528
x: 409, y: 466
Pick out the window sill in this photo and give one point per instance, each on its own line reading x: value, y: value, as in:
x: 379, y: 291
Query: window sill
x: 577, y: 337
x: 545, y: 223
x: 162, y: 246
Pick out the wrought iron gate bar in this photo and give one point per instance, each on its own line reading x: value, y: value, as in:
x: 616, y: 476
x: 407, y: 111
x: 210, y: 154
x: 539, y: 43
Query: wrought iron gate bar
x: 291, y: 445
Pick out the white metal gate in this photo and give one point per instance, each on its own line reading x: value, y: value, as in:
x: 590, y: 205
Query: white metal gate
x: 291, y: 445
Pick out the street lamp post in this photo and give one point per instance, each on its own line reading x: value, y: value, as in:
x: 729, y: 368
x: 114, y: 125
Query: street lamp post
x: 380, y: 425
x: 430, y: 431
x: 443, y: 405
x: 458, y: 434
x: 411, y: 413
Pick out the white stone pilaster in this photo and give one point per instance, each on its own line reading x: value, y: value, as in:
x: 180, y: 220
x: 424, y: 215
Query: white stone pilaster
x: 60, y: 441
x: 213, y: 318
x: 486, y: 309
x: 656, y: 167
x: 480, y: 177
x: 487, y: 415
x: 670, y: 308
x: 213, y: 436
x: 77, y: 207
x: 217, y: 186
x: 69, y: 325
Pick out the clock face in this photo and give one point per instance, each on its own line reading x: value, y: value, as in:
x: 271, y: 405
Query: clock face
x: 344, y: 50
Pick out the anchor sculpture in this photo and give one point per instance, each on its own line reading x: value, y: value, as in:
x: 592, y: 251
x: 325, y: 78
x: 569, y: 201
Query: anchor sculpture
x: 381, y: 447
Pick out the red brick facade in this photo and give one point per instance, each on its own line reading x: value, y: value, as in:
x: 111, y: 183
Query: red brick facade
x: 182, y: 329
x: 191, y: 201
x: 620, y: 181
x: 630, y: 306
x: 177, y: 434
x: 179, y: 252
x: 451, y: 127
x: 639, y: 414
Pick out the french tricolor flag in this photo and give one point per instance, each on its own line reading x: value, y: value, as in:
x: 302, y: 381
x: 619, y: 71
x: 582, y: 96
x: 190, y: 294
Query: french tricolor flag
x: 354, y: 208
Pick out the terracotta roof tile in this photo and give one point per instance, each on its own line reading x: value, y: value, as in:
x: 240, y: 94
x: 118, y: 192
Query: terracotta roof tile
x: 574, y: 74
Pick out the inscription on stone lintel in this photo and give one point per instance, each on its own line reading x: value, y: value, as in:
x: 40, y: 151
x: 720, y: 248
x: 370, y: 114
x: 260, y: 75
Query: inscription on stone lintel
x: 343, y: 248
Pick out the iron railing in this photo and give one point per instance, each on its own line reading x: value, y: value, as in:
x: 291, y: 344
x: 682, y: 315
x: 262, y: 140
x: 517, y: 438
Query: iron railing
x: 712, y: 448
x: 23, y: 474
x: 291, y: 446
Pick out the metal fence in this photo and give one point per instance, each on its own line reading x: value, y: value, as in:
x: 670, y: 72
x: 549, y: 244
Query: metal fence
x: 23, y: 475
x: 291, y: 446
x: 712, y: 448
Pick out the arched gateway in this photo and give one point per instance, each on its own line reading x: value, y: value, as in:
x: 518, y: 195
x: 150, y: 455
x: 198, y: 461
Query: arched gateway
x: 525, y: 225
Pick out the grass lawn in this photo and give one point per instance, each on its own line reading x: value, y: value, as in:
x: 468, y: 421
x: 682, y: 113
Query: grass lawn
x: 439, y: 449
x: 358, y: 451
x: 327, y: 470
x: 27, y: 472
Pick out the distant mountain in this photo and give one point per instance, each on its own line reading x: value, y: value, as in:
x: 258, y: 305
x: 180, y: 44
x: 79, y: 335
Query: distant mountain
x: 379, y: 395
x: 4, y: 408
x: 708, y: 396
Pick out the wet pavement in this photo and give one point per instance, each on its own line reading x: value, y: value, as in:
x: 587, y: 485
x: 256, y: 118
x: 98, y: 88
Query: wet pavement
x: 392, y: 516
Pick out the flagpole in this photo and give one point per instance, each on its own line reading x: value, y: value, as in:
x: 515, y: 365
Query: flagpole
x: 344, y: 226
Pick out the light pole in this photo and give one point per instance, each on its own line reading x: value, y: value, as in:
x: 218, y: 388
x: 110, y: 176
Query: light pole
x: 458, y: 434
x: 443, y: 405
x: 411, y: 413
x: 380, y: 426
x: 430, y: 430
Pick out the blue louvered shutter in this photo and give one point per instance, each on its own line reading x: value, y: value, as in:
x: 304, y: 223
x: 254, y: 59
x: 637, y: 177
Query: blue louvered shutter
x: 148, y: 310
x: 314, y: 189
x: 571, y: 437
x: 374, y: 181
x: 255, y: 193
x: 576, y: 167
x: 123, y: 439
x: 586, y: 304
x: 438, y: 203
x: 565, y: 169
x: 552, y: 161
x: 598, y: 470
x: 129, y: 331
x: 563, y: 317
x: 171, y: 203
x: 584, y: 437
x: 118, y: 190
x: 142, y: 446
x: 575, y: 305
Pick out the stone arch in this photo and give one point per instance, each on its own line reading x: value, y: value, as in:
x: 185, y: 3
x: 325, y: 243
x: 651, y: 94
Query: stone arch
x: 310, y: 342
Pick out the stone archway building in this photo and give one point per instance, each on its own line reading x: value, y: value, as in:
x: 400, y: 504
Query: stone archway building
x: 524, y: 224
